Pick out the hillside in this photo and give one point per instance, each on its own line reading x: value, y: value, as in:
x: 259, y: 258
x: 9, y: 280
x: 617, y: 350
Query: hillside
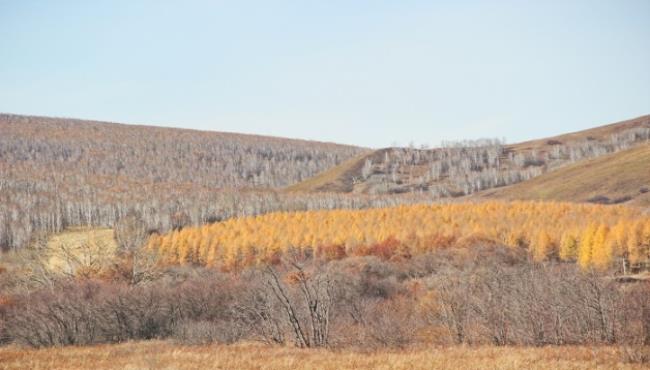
x: 58, y: 173
x: 463, y: 168
x: 158, y: 154
x: 622, y: 177
x: 337, y: 179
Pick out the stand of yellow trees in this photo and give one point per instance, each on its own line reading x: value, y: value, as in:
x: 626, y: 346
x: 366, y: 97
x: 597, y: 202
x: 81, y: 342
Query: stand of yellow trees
x: 592, y: 235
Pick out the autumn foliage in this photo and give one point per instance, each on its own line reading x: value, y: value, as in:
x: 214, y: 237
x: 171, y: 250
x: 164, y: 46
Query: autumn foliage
x: 595, y: 236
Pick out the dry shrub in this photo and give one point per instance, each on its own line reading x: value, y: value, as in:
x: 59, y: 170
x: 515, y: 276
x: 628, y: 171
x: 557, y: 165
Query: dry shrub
x: 635, y: 354
x: 331, y: 252
x: 206, y: 332
x: 392, y: 324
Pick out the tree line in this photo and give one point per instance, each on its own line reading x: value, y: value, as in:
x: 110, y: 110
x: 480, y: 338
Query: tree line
x: 598, y: 236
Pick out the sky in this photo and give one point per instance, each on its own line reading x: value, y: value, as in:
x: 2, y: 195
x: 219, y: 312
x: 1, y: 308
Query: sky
x: 366, y: 72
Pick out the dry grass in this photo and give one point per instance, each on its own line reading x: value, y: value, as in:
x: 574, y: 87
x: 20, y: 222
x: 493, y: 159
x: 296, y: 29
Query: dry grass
x: 82, y: 244
x: 598, y: 133
x: 164, y: 355
x: 615, y: 176
x: 337, y: 178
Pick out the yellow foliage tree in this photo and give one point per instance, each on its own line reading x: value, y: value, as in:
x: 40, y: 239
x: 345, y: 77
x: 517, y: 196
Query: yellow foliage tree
x: 601, y: 253
x: 568, y: 247
x: 585, y: 246
x: 542, y: 246
x: 634, y: 243
x: 579, y: 231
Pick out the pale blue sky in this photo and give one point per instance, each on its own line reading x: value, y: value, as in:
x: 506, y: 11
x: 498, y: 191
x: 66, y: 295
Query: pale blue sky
x: 361, y: 72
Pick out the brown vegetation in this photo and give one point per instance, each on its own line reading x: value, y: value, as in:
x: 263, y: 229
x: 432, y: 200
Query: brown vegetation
x: 166, y: 355
x: 487, y: 295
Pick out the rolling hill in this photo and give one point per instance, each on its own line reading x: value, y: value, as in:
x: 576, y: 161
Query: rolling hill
x: 463, y: 168
x: 59, y: 173
x: 622, y: 177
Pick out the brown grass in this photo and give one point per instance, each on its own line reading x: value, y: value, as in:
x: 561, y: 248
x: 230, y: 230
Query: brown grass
x: 337, y: 178
x: 165, y: 355
x: 98, y: 242
x: 598, y: 133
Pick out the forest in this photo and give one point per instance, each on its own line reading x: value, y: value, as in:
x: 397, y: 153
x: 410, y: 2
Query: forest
x: 59, y: 173
x: 592, y: 235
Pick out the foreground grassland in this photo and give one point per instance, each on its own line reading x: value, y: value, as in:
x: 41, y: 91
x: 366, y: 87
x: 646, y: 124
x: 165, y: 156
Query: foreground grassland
x: 164, y: 355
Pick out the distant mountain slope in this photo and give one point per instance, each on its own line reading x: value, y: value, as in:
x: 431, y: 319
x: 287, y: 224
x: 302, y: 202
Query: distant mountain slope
x: 598, y: 133
x: 159, y: 154
x: 622, y: 177
x: 468, y: 167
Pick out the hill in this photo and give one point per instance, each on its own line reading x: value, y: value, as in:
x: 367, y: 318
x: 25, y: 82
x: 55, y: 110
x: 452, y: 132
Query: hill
x: 159, y: 154
x: 58, y: 173
x: 622, y: 177
x: 462, y: 168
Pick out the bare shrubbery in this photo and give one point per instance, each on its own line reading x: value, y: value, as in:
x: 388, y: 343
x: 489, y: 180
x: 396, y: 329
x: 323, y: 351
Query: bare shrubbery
x: 204, y: 332
x: 490, y: 296
x: 635, y: 354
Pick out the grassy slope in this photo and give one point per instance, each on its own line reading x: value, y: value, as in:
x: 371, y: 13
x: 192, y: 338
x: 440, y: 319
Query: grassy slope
x: 614, y: 176
x: 598, y: 133
x: 164, y: 355
x: 340, y: 178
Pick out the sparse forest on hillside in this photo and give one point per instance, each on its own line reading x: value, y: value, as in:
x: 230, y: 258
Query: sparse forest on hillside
x: 466, y: 167
x: 57, y: 173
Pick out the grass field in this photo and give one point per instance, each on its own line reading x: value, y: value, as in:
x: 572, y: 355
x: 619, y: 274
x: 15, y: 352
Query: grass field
x: 164, y: 355
x: 80, y: 246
